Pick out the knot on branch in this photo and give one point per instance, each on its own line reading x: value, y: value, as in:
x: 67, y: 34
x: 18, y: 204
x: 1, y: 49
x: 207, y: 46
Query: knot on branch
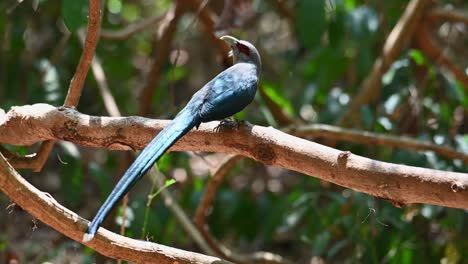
x: 457, y: 187
x: 264, y: 153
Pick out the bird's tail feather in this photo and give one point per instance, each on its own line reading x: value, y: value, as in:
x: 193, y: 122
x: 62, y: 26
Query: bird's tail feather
x: 181, y: 124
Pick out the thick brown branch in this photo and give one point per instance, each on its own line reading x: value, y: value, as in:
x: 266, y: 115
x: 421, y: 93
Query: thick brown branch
x: 396, y: 40
x: 400, y: 183
x: 365, y: 137
x: 43, y: 207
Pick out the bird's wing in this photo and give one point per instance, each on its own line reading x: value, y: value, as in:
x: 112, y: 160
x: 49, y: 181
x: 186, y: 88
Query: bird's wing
x: 229, y: 92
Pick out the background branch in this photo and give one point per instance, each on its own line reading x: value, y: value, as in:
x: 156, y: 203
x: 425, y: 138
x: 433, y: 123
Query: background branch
x: 396, y: 40
x: 126, y: 32
x: 164, y: 41
x: 450, y: 15
x: 92, y: 38
x: 427, y: 45
x: 371, y: 138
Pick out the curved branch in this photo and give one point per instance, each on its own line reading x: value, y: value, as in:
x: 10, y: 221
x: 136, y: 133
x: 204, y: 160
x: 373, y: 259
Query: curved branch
x: 399, y: 183
x: 359, y: 136
x: 45, y: 208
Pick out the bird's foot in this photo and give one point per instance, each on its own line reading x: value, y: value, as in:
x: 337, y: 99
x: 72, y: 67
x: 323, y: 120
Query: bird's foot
x: 229, y: 124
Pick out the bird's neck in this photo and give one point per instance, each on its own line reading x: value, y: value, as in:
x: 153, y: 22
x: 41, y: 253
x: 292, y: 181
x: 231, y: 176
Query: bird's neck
x: 257, y: 67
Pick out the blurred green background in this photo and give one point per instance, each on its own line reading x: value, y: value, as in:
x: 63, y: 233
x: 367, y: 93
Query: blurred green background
x: 316, y: 54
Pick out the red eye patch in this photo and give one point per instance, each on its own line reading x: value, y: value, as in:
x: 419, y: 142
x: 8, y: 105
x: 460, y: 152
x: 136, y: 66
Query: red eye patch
x: 243, y: 48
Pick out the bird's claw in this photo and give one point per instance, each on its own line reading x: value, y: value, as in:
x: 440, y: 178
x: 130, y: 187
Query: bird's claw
x: 231, y: 124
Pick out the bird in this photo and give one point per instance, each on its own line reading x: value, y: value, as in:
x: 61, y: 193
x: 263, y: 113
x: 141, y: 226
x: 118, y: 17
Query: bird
x: 225, y: 95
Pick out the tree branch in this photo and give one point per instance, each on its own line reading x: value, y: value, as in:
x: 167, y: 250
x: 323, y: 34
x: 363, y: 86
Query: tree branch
x: 202, y: 211
x: 167, y: 29
x: 37, y: 161
x: 450, y: 15
x: 92, y: 37
x: 43, y: 207
x: 427, y: 45
x: 126, y: 32
x: 401, y: 33
x: 401, y: 184
x: 359, y: 136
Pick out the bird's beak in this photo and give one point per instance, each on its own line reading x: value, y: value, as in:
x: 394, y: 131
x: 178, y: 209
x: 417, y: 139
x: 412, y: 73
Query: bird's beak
x: 232, y: 41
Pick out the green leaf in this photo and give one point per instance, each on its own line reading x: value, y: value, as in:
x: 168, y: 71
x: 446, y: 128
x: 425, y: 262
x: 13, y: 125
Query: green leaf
x: 417, y: 57
x: 75, y: 14
x: 311, y: 22
x: 277, y: 98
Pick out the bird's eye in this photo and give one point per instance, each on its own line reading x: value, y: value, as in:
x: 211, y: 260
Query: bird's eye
x: 243, y: 48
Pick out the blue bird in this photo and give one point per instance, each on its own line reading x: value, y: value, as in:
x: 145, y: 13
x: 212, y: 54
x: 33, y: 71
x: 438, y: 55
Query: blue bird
x: 228, y: 93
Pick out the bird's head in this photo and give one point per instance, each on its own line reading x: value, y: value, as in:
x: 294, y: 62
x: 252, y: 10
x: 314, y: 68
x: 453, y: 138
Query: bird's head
x: 243, y: 51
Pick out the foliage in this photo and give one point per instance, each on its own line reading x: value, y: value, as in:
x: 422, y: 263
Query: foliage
x: 314, y: 63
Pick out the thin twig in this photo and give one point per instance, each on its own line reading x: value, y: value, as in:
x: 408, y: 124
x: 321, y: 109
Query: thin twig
x: 129, y: 30
x: 179, y: 213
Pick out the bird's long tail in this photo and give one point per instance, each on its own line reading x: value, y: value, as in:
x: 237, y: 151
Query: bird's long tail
x: 181, y: 124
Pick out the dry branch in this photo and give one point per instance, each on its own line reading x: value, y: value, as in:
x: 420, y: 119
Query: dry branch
x: 43, y: 207
x: 401, y: 184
